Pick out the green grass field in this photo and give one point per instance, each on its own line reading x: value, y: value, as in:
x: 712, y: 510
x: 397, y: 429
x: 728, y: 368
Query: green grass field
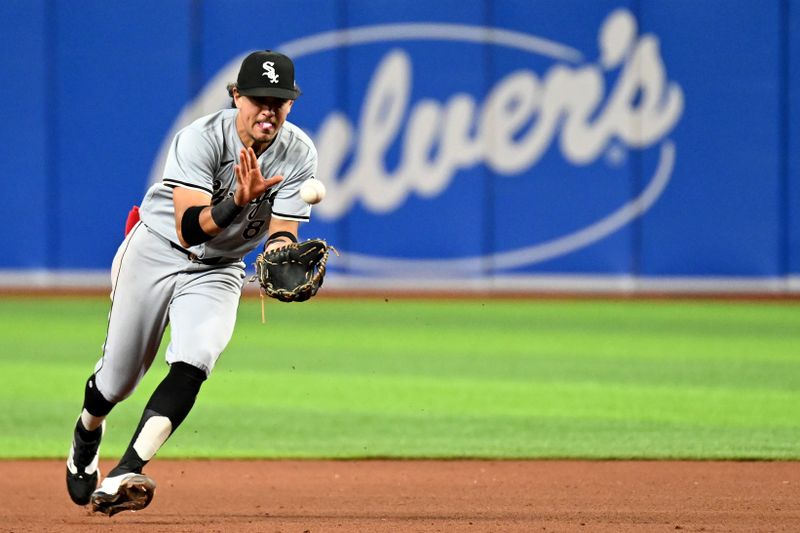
x: 463, y: 378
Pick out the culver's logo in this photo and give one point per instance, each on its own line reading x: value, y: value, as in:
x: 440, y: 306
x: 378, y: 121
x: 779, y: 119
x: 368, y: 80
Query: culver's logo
x: 569, y: 106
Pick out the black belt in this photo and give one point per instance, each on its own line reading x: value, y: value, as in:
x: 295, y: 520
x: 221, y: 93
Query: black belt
x: 204, y: 261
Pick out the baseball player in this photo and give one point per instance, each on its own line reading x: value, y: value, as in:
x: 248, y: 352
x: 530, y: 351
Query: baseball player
x: 231, y: 179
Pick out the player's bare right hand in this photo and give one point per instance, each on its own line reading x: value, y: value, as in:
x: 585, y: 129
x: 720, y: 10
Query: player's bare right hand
x: 250, y: 183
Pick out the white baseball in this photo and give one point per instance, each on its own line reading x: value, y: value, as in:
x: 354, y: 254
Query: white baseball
x: 312, y: 191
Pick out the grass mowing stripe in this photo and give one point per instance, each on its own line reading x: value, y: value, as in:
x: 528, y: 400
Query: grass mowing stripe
x: 351, y: 378
x: 461, y: 397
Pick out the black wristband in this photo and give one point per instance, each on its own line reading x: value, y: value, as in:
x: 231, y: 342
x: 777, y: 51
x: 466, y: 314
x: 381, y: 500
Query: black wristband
x: 277, y: 234
x: 191, y: 231
x: 225, y: 212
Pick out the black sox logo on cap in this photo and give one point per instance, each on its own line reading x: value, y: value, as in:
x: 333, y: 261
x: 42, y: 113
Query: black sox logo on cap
x: 267, y: 73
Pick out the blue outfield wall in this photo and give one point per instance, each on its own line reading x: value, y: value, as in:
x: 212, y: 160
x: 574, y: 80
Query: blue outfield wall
x: 495, y: 141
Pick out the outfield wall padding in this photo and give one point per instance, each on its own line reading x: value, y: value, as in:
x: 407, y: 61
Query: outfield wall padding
x: 487, y: 141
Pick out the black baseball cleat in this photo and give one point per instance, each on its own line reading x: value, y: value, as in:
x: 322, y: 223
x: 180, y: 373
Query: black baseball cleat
x: 125, y: 492
x: 82, y: 467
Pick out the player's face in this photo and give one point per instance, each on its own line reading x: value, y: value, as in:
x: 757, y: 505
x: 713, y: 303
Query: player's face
x: 260, y: 117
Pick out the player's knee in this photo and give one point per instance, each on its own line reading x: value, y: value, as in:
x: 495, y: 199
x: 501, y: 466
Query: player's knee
x: 94, y: 401
x: 187, y: 375
x: 113, y: 390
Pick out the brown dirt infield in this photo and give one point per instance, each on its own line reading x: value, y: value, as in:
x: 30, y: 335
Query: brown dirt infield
x: 424, y: 496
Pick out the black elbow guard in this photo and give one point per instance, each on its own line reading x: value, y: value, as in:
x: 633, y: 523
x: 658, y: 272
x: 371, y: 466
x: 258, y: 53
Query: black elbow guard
x: 191, y: 231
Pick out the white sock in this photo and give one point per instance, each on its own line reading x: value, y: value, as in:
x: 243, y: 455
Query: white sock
x: 154, y: 433
x: 91, y: 422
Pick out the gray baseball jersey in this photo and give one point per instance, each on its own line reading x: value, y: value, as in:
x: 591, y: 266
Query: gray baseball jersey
x: 202, y: 157
x: 155, y: 284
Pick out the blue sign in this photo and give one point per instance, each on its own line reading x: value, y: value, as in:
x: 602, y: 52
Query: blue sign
x: 456, y: 140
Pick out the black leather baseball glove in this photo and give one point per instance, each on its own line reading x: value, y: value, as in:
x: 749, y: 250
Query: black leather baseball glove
x: 293, y: 273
